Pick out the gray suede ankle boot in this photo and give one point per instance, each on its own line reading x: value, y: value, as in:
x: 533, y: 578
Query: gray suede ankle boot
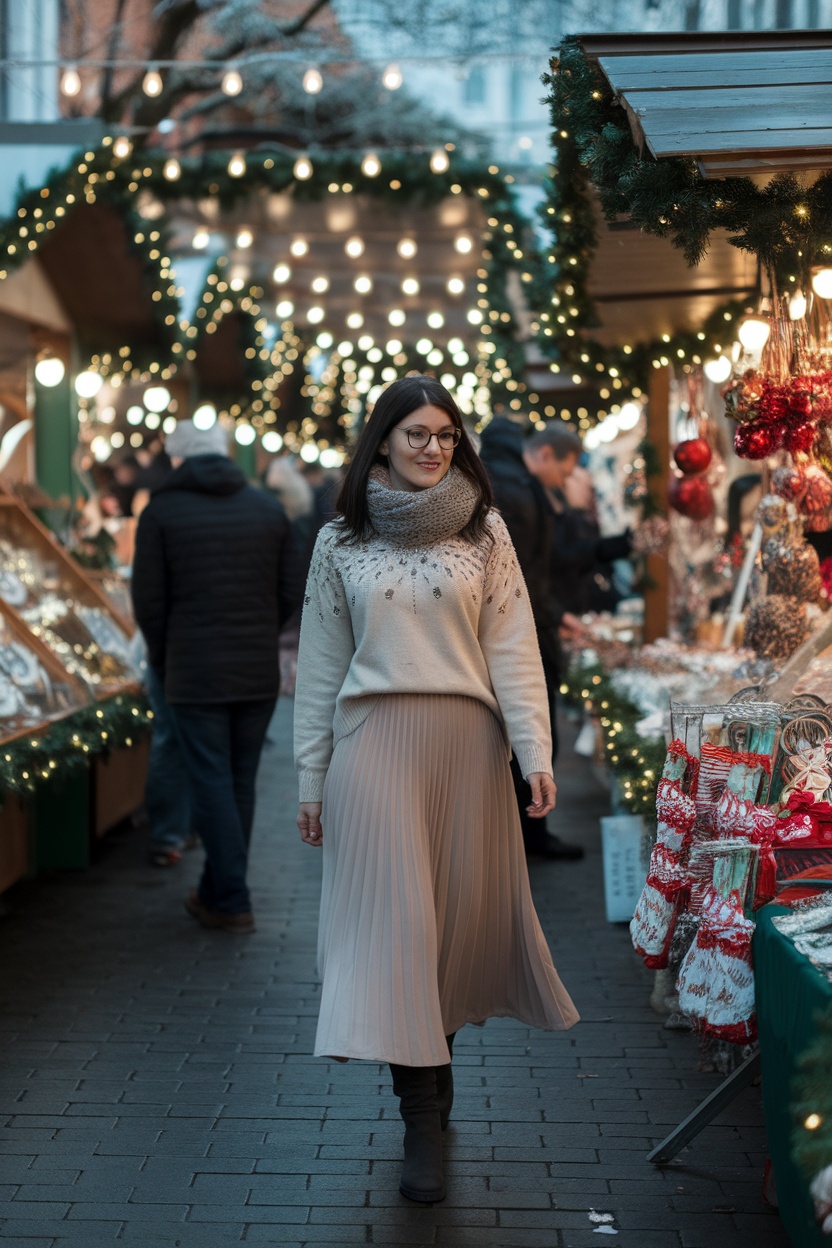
x: 422, y: 1178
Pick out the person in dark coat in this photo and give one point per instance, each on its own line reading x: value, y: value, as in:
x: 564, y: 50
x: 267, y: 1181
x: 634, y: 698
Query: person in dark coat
x: 213, y: 578
x: 527, y: 476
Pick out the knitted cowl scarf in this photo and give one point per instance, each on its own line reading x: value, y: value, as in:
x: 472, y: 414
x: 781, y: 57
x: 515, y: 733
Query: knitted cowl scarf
x: 420, y: 517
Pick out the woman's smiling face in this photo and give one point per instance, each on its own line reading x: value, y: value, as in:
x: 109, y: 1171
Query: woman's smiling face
x: 421, y: 466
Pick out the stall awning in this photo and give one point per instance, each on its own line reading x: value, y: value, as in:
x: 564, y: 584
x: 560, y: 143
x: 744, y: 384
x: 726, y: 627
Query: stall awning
x: 741, y: 104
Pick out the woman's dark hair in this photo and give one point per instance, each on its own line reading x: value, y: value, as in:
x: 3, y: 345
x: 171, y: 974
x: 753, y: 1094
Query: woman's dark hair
x: 400, y: 399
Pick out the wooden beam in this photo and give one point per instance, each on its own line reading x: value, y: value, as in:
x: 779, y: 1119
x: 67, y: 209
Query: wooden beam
x: 657, y: 592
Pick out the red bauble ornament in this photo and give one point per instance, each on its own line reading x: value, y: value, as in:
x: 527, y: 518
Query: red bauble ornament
x: 756, y: 441
x: 788, y: 482
x: 692, y: 456
x: 816, y: 504
x: 691, y: 497
x: 800, y: 437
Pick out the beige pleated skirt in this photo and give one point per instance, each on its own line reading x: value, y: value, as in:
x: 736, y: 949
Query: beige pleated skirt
x: 427, y: 920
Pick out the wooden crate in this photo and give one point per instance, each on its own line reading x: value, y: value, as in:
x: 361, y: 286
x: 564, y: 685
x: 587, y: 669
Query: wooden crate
x: 14, y: 841
x: 118, y: 785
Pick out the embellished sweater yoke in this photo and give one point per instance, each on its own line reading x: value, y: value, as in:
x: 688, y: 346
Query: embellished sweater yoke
x: 447, y: 617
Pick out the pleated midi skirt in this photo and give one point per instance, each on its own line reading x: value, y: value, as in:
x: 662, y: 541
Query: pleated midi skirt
x: 427, y: 920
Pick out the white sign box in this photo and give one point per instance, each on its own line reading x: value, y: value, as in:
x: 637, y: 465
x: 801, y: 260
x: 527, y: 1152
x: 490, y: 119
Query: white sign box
x: 626, y: 850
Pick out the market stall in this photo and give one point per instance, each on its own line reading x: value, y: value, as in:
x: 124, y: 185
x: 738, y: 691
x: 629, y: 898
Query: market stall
x: 678, y: 138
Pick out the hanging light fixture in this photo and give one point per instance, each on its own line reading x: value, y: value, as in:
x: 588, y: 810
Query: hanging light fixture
x: 237, y: 165
x: 822, y: 283
x: 302, y: 169
x: 70, y: 81
x: 371, y: 165
x: 797, y: 306
x: 49, y: 371
x: 312, y: 81
x: 439, y: 161
x: 392, y: 78
x: 172, y: 169
x: 754, y: 332
x: 152, y: 83
x: 717, y: 370
x: 232, y: 82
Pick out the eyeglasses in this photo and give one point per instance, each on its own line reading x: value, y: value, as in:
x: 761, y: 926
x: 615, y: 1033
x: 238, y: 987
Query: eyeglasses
x: 418, y: 438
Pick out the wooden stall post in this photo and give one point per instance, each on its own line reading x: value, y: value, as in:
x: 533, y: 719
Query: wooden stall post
x: 657, y: 591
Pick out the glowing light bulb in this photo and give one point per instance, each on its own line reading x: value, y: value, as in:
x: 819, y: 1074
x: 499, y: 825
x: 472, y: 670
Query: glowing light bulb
x: 814, y: 1120
x: 410, y: 286
x: 436, y: 320
x: 424, y: 345
x: 299, y: 247
x: 320, y: 284
x: 309, y: 453
x: 325, y: 340
x: 284, y: 308
x: 371, y: 165
x: 474, y: 316
x: 205, y: 416
x: 156, y: 398
x: 49, y: 372
x: 312, y: 81
x: 822, y: 283
x: 363, y: 284
x: 122, y: 147
x: 152, y: 83
x: 232, y: 82
x: 629, y: 416
x: 70, y: 81
x: 355, y: 320
x: 463, y: 243
x: 396, y: 316
x: 406, y: 247
x: 88, y: 384
x: 455, y: 285
x: 172, y: 169
x: 200, y: 240
x: 281, y: 273
x: 354, y: 247
x: 797, y: 306
x: 392, y: 78
x: 303, y: 169
x: 439, y: 162
x: 272, y: 441
x: 754, y: 332
x: 244, y: 435
x: 717, y: 370
x: 244, y: 239
x: 237, y: 165
x: 315, y: 315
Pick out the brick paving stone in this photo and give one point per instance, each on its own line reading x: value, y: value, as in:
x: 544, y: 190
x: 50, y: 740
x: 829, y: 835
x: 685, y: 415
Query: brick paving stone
x: 157, y: 1087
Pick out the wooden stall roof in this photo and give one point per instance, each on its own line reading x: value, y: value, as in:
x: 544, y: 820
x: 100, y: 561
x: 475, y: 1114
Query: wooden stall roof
x: 740, y: 103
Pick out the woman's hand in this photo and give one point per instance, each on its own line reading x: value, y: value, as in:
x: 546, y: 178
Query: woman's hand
x: 544, y: 794
x: 309, y: 822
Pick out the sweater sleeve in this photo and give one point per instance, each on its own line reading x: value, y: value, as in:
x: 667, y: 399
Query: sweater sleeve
x: 325, y: 650
x: 508, y: 639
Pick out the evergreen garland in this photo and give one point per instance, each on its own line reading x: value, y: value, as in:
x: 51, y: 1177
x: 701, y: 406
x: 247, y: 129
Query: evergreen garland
x: 68, y: 745
x: 786, y: 226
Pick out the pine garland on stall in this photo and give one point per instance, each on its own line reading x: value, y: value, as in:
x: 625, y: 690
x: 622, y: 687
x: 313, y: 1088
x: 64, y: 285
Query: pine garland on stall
x: 812, y: 1102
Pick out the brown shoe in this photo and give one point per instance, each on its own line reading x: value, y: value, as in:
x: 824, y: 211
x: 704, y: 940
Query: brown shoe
x: 242, y: 924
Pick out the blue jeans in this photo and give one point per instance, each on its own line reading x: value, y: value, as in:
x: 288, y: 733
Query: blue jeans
x: 167, y: 800
x: 221, y: 744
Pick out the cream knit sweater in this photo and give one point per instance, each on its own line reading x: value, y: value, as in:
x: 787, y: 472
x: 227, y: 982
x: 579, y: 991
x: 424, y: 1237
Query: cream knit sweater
x: 450, y: 617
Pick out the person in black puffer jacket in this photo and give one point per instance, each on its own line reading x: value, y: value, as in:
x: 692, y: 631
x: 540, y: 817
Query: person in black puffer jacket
x: 527, y: 475
x: 214, y: 577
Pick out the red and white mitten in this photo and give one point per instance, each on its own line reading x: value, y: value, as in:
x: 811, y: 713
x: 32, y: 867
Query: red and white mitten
x: 654, y: 921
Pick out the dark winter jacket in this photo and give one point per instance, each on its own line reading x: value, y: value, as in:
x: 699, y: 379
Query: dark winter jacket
x: 553, y: 552
x: 214, y: 578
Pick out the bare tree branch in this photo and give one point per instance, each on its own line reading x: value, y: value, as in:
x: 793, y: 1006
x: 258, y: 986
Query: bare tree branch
x: 303, y: 21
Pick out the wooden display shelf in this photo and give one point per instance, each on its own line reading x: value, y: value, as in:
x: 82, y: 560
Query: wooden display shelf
x: 14, y: 841
x: 55, y: 670
x: 118, y: 782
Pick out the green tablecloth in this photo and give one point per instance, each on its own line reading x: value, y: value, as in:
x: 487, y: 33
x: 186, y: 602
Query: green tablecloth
x: 790, y: 991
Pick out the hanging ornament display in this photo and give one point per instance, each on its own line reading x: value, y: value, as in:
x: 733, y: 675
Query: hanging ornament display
x: 771, y: 415
x: 691, y: 497
x: 692, y: 456
x: 816, y: 502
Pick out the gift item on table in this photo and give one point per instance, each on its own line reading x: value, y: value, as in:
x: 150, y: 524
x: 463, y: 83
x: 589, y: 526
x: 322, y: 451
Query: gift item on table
x: 793, y: 568
x: 775, y: 626
x: 716, y: 979
x: 805, y: 759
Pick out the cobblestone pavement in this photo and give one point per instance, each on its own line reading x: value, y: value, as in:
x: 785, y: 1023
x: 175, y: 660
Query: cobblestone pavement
x: 156, y: 1087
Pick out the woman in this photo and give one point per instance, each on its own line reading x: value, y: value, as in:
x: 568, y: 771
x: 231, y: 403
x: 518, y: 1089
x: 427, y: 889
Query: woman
x: 418, y: 671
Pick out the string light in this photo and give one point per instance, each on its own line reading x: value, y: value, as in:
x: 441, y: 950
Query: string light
x: 171, y: 169
x: 244, y: 239
x: 122, y: 147
x: 406, y: 247
x: 439, y: 161
x: 312, y: 81
x: 70, y: 81
x: 237, y: 165
x: 371, y: 165
x: 463, y: 244
x: 232, y: 82
x: 50, y: 371
x: 363, y: 284
x: 410, y: 286
x: 354, y: 247
x: 320, y: 284
x: 822, y: 283
x: 392, y: 78
x: 200, y: 240
x: 281, y: 273
x: 152, y: 83
x: 456, y: 285
x: 299, y: 247
x: 303, y: 169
